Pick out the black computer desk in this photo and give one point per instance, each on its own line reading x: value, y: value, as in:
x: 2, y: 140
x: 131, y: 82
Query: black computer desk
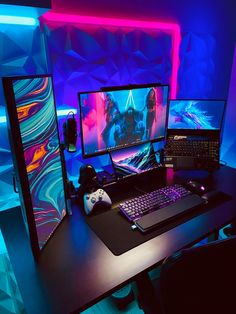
x: 76, y: 269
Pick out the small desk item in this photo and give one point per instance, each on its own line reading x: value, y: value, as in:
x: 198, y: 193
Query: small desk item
x: 196, y: 187
x: 95, y: 198
x: 194, y: 134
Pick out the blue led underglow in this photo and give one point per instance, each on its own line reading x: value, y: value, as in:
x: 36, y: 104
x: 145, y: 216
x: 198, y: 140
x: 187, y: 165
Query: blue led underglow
x: 60, y: 113
x: 3, y: 119
x: 64, y: 112
x: 3, y: 249
x: 19, y: 20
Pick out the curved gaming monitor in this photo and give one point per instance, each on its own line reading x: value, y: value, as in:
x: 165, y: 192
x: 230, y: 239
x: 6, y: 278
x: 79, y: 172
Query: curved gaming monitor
x: 196, y: 114
x: 118, y: 118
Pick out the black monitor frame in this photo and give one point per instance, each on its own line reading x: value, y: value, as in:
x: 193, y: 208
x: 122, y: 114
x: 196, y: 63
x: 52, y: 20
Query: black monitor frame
x: 120, y: 88
x: 20, y: 163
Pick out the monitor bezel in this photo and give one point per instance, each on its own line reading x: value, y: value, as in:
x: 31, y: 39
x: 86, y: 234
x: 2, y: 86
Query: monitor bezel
x: 19, y: 161
x: 120, y: 88
x: 197, y: 131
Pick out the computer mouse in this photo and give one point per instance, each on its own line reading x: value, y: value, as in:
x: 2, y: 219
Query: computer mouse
x: 196, y: 187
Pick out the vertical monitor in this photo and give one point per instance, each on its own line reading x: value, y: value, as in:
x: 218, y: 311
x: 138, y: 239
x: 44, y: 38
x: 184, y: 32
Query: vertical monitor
x: 34, y: 132
x: 134, y: 160
x: 196, y: 114
x: 123, y: 117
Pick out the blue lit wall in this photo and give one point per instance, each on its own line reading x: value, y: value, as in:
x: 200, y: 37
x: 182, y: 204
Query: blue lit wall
x: 83, y: 59
x: 11, y: 299
x: 229, y: 142
x: 86, y: 58
x: 197, y: 67
x: 22, y: 53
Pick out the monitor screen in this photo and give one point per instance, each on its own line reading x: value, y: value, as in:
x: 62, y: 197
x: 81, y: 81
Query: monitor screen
x: 196, y: 114
x: 119, y: 118
x: 33, y: 125
x: 134, y: 160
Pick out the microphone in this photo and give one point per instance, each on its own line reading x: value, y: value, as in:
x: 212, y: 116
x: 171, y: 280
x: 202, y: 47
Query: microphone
x: 70, y: 133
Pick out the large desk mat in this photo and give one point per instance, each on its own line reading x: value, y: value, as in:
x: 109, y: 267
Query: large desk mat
x: 116, y: 233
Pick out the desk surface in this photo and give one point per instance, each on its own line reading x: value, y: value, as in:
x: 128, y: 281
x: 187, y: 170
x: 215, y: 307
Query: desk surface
x: 76, y: 269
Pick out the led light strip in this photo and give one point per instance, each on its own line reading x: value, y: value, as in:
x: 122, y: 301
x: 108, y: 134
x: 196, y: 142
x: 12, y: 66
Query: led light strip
x: 64, y: 112
x: 173, y: 28
x: 60, y: 113
x: 10, y: 19
x: 3, y: 119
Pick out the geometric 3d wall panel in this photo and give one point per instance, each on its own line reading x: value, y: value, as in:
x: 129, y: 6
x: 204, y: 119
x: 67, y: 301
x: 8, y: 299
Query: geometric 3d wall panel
x: 197, y: 68
x: 87, y: 57
x: 23, y: 53
x: 84, y: 59
x: 10, y: 298
x: 229, y: 141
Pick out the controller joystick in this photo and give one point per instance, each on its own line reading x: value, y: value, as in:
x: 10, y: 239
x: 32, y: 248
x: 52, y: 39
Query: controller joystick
x: 94, y: 198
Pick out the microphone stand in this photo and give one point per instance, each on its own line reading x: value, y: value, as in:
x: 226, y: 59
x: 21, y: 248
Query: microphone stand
x: 67, y: 184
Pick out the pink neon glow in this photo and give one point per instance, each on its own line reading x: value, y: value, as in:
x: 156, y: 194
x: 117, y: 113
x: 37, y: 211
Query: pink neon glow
x: 91, y: 20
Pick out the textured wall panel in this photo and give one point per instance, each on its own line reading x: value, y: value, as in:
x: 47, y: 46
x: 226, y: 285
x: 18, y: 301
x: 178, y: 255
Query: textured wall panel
x: 86, y: 58
x: 10, y: 297
x: 197, y: 65
x: 23, y: 53
x: 229, y: 141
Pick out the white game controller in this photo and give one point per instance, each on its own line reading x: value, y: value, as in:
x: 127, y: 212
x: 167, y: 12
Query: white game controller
x: 97, y: 197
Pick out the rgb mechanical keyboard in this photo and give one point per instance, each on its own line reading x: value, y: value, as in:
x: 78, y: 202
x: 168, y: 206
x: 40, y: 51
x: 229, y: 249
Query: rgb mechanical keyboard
x: 159, y: 206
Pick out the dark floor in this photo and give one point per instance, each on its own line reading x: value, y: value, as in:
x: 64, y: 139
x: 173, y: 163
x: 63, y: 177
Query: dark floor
x: 108, y: 306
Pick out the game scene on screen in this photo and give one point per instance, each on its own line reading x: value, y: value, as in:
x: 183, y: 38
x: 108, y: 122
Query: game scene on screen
x: 118, y: 118
x: 134, y: 160
x: 196, y: 114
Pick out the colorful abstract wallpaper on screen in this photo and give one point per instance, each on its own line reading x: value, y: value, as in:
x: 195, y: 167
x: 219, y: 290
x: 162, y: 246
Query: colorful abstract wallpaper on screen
x: 38, y: 127
x: 196, y: 114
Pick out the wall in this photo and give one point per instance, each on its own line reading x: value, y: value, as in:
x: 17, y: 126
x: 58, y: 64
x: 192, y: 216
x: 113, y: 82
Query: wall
x: 209, y: 24
x: 23, y: 54
x: 229, y: 142
x: 88, y: 57
x: 203, y: 71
